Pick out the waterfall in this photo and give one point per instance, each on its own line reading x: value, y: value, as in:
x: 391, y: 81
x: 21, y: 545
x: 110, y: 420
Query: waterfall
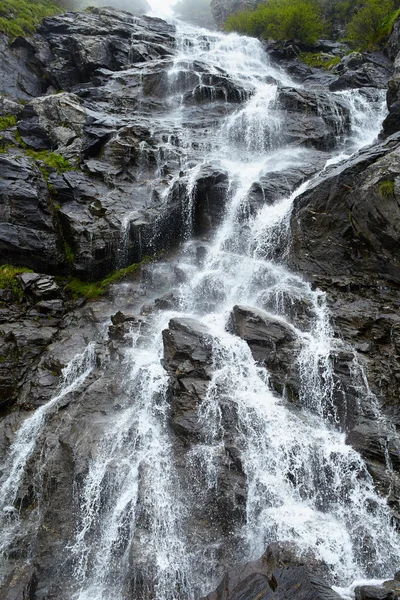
x: 12, y: 471
x: 303, y: 482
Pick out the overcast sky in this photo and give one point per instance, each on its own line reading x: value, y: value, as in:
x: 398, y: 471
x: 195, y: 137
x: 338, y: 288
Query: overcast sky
x: 162, y: 7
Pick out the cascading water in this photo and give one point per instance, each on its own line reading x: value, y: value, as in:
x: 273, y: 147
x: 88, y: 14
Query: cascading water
x: 303, y: 482
x: 25, y: 442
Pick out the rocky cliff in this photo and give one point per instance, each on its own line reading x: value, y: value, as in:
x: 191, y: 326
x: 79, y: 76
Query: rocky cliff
x: 132, y: 472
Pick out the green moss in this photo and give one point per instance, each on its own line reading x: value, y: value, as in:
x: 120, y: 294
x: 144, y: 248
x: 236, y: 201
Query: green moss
x: 386, y: 188
x: 69, y: 253
x: 51, y: 159
x: 8, y: 278
x: 7, y: 122
x: 99, y: 288
x: 319, y: 59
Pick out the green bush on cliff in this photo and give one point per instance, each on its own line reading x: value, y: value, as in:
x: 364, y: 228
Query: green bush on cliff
x: 8, y: 278
x: 92, y: 290
x: 280, y: 20
x: 21, y: 17
x: 7, y: 121
x: 371, y: 23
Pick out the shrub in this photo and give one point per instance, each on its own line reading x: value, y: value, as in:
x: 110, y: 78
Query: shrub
x: 7, y: 121
x: 386, y: 188
x: 319, y: 59
x: 280, y: 20
x: 372, y: 22
x: 8, y: 278
x: 95, y: 289
x: 22, y: 17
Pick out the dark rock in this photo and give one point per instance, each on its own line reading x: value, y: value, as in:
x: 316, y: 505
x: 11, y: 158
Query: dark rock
x: 313, y: 118
x: 210, y: 197
x: 21, y: 584
x: 221, y: 9
x: 20, y: 77
x: 39, y: 286
x: 281, y: 572
x: 392, y: 47
x: 28, y: 233
x: 358, y: 70
x: 273, y: 343
x: 391, y: 123
x: 356, y: 220
x: 373, y: 592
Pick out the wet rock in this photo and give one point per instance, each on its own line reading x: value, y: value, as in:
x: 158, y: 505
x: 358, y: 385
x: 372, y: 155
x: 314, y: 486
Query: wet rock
x: 39, y: 286
x: 273, y: 344
x: 277, y: 185
x: 354, y: 215
x: 210, y: 197
x: 392, y: 47
x: 21, y: 584
x: 28, y: 233
x: 374, y: 592
x: 54, y: 122
x: 188, y: 349
x: 221, y: 9
x: 391, y: 123
x: 81, y: 43
x: 313, y: 118
x: 281, y: 572
x: 358, y: 70
x: 21, y: 77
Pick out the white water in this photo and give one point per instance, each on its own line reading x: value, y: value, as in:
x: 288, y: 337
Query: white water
x: 25, y: 442
x: 304, y: 483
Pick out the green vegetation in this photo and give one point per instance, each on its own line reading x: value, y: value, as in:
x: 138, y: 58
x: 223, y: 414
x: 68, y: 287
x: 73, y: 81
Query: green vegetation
x: 386, y: 188
x: 7, y: 122
x: 371, y: 23
x: 69, y: 253
x: 51, y: 159
x: 319, y: 59
x: 364, y: 23
x: 99, y: 288
x: 8, y: 278
x: 21, y: 17
x: 280, y: 20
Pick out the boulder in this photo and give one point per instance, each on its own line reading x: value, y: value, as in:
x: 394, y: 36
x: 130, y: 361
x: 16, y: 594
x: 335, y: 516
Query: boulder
x: 313, y: 118
x: 281, y: 572
x: 21, y: 584
x: 357, y: 70
x: 346, y: 223
x: 391, y: 123
x: 374, y: 592
x: 273, y: 344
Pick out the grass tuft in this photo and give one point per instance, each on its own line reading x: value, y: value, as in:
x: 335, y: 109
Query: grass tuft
x: 386, y: 188
x: 8, y: 278
x: 92, y: 290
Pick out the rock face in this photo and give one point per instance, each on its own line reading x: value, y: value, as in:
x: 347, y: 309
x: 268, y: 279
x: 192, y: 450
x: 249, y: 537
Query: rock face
x: 273, y: 344
x: 188, y: 358
x: 221, y: 9
x: 280, y: 572
x: 114, y: 191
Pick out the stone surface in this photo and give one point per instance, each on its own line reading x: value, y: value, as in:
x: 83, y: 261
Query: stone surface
x: 281, y: 572
x: 21, y: 584
x: 273, y: 344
